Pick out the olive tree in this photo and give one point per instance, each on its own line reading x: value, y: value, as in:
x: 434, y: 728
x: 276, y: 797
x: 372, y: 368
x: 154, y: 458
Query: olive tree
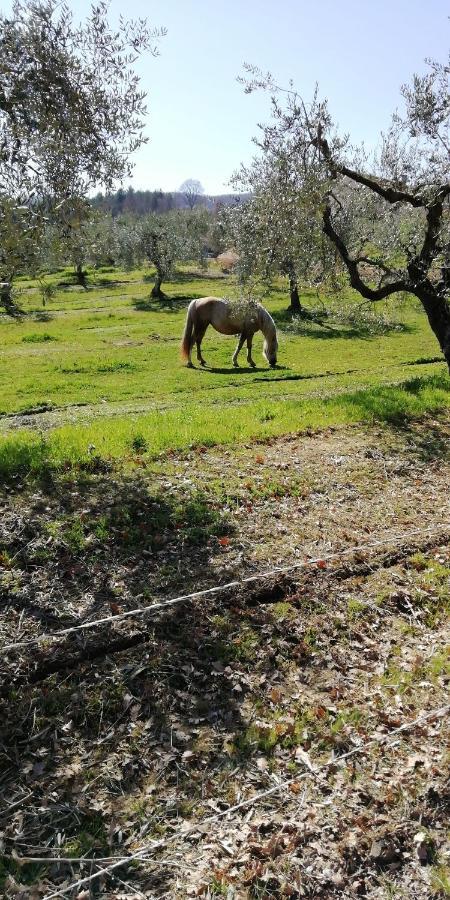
x: 92, y: 239
x: 389, y: 216
x: 71, y: 113
x: 162, y: 240
x: 165, y: 239
x: 199, y: 226
x: 277, y: 230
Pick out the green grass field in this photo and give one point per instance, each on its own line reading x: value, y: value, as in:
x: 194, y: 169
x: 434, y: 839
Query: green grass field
x: 106, y: 362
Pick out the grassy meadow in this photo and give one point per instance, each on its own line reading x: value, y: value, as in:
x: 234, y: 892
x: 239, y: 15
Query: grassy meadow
x: 97, y: 372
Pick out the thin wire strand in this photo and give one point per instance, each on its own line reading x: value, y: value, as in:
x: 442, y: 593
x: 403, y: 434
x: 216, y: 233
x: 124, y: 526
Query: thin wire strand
x: 140, y: 854
x: 183, y: 598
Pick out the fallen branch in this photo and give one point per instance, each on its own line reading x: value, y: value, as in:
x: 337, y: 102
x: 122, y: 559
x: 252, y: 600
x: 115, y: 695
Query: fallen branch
x: 207, y: 592
x: 277, y: 591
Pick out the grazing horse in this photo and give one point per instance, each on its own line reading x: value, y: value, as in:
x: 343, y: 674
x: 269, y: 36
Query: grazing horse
x: 240, y: 317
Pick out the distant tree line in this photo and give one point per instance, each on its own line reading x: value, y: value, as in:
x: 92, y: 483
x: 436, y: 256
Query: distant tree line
x: 134, y: 203
x: 140, y: 203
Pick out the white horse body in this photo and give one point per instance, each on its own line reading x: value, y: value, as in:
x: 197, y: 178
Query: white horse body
x: 240, y: 317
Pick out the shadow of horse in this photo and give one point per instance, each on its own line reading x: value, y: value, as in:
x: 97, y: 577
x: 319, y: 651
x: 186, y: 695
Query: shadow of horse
x: 236, y: 370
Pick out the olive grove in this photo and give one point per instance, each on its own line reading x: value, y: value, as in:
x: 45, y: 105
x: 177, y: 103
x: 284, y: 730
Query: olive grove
x: 71, y: 115
x: 388, y: 216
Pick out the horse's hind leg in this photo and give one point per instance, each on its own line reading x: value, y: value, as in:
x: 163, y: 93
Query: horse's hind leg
x: 238, y: 349
x: 250, y: 361
x: 199, y: 335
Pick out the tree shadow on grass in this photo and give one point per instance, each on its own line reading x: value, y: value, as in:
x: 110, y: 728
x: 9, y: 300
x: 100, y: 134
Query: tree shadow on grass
x: 12, y: 310
x: 41, y: 315
x: 308, y: 377
x: 185, y: 277
x: 89, y: 524
x: 236, y: 370
x: 424, y: 361
x: 109, y: 282
x: 166, y: 305
x: 398, y: 405
x: 315, y: 325
x: 428, y: 443
x: 161, y: 728
x: 163, y: 706
x: 329, y: 374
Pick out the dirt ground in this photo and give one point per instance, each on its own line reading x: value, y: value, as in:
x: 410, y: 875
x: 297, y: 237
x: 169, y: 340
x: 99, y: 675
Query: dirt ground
x: 283, y: 737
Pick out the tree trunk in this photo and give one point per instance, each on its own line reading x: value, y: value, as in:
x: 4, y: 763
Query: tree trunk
x: 156, y: 290
x: 434, y: 299
x: 295, y: 307
x: 6, y: 294
x: 437, y: 309
x: 80, y: 274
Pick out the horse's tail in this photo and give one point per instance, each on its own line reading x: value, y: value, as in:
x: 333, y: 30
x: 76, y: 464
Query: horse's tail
x: 187, y: 340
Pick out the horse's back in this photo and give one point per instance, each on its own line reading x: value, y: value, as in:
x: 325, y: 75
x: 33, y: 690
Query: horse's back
x: 212, y: 304
x: 215, y: 311
x: 228, y: 318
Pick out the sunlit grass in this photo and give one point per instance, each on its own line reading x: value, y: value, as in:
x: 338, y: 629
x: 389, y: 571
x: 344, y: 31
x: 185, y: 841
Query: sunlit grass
x: 111, y: 349
x: 192, y: 425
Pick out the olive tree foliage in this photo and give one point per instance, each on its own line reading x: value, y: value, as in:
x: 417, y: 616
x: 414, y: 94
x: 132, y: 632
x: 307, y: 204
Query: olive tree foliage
x: 387, y: 216
x: 278, y: 229
x: 71, y: 114
x: 163, y: 240
x: 96, y: 240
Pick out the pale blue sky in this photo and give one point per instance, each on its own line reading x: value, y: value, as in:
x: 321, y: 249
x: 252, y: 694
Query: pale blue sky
x: 200, y: 122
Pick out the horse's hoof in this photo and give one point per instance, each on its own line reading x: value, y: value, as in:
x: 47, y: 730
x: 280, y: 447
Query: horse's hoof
x: 190, y: 365
x: 235, y: 364
x: 203, y: 362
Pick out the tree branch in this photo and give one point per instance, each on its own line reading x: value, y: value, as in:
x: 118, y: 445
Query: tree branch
x: 377, y: 263
x: 429, y: 247
x: 392, y: 195
x: 352, y: 265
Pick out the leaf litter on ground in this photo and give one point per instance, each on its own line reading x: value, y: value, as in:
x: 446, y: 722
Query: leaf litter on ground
x: 230, y: 696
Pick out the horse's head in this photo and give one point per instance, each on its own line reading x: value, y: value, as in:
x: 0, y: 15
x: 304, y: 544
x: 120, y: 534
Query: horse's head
x: 269, y: 331
x: 270, y: 352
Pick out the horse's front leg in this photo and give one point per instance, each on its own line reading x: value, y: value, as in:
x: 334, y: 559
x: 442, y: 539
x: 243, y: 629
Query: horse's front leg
x: 249, y: 352
x: 238, y: 349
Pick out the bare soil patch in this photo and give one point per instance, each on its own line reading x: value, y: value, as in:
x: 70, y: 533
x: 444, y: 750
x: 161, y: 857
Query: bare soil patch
x: 159, y: 732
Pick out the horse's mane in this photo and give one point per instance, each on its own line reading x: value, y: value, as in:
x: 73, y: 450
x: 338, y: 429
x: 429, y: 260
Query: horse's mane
x: 268, y: 328
x: 266, y: 318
